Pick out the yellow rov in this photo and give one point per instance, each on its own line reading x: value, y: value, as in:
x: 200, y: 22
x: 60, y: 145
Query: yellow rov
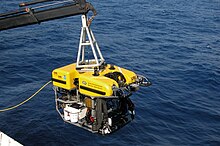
x: 92, y: 94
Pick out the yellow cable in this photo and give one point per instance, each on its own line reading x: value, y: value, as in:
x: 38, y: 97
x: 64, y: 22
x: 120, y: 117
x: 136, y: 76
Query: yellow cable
x: 23, y: 102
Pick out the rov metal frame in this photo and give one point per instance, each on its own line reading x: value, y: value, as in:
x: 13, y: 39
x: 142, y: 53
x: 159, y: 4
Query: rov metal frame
x: 59, y: 101
x: 87, y: 38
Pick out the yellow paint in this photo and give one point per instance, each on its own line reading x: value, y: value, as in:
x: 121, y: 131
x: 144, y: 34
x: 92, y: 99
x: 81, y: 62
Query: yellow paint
x: 89, y: 84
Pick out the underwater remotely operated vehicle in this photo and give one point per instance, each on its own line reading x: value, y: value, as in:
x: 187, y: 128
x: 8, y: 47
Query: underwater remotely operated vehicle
x: 90, y: 93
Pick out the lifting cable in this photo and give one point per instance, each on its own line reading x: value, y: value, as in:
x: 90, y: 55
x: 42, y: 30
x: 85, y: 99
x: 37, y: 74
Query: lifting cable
x: 23, y: 102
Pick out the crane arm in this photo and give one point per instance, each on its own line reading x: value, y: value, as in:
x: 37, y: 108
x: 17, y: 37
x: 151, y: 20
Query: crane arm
x: 38, y: 14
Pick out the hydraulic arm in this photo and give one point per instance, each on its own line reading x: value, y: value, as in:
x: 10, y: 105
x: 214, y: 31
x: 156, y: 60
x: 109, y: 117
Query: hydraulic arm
x: 39, y: 13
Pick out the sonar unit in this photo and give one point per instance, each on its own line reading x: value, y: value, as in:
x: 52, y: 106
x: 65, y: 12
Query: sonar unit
x: 90, y: 93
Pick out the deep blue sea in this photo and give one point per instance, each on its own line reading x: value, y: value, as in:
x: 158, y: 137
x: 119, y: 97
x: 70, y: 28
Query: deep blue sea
x: 175, y: 43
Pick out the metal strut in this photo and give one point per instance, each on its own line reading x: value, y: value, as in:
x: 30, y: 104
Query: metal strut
x: 88, y: 41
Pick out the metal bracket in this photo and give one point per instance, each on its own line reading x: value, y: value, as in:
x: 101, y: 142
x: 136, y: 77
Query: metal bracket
x: 31, y: 12
x: 88, y: 42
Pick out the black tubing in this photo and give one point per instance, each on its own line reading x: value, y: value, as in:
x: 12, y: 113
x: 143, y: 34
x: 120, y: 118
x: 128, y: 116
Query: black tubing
x: 33, y: 2
x: 12, y: 13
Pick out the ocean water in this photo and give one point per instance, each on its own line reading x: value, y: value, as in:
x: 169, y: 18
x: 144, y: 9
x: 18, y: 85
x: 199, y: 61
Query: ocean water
x: 175, y: 43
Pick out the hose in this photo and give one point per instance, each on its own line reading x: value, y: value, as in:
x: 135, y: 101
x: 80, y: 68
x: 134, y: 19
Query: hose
x: 23, y: 102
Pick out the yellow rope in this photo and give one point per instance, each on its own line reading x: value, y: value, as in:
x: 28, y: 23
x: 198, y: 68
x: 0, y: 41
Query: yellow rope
x: 23, y: 102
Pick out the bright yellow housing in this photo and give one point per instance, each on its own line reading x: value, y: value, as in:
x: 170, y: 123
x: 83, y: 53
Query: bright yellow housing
x: 88, y: 83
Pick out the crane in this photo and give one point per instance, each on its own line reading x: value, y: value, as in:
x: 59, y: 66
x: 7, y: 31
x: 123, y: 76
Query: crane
x: 89, y: 93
